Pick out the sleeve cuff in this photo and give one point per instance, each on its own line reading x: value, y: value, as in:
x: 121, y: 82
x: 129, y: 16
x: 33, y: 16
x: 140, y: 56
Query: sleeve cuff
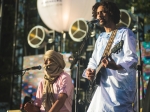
x: 125, y: 68
x: 83, y: 75
x: 64, y: 91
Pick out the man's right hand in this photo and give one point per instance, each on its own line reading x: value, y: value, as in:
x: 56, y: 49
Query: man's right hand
x: 90, y: 73
x: 29, y: 107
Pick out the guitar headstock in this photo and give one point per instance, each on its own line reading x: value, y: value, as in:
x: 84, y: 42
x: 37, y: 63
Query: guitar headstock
x: 117, y: 48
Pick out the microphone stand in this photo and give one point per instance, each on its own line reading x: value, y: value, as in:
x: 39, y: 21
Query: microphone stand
x: 140, y: 71
x: 6, y: 74
x: 23, y: 70
x: 76, y: 61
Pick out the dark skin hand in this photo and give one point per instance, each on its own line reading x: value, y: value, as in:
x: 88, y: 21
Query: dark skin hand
x: 90, y: 73
x: 59, y: 103
x: 106, y: 62
x: 30, y: 107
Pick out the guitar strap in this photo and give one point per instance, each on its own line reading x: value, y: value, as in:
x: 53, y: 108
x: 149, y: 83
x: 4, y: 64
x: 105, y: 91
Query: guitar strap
x: 92, y: 86
x: 109, y: 44
x: 106, y: 51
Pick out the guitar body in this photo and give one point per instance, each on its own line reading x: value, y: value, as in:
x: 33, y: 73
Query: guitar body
x: 92, y: 87
x: 99, y: 71
x: 98, y: 78
x: 90, y: 91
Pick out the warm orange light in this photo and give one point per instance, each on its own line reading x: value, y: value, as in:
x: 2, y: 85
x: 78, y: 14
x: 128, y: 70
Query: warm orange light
x: 32, y: 35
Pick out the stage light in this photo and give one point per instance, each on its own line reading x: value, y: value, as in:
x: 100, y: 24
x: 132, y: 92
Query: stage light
x: 39, y: 36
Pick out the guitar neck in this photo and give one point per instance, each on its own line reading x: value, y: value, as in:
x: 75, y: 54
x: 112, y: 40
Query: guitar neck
x: 98, y: 69
x: 100, y: 66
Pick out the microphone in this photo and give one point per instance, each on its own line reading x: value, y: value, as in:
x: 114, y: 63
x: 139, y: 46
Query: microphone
x: 34, y: 68
x: 94, y: 21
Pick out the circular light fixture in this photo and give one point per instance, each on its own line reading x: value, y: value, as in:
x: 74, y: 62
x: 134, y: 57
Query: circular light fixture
x: 78, y: 30
x: 38, y: 37
x: 125, y: 19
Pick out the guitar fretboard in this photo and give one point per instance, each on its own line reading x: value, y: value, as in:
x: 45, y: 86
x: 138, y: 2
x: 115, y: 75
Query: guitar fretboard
x: 106, y: 51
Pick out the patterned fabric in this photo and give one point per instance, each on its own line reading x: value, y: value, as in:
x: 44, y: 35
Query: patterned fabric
x: 52, y: 72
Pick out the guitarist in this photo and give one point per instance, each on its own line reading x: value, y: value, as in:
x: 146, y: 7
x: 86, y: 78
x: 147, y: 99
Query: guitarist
x: 116, y: 90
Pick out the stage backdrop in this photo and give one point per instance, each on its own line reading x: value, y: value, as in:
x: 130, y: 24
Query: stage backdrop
x: 145, y: 48
x: 31, y: 78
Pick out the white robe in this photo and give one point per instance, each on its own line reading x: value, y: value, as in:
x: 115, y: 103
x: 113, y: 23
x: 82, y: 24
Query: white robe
x: 117, y: 89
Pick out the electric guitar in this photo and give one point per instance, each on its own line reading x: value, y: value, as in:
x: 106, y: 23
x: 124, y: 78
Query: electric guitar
x: 93, y: 84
